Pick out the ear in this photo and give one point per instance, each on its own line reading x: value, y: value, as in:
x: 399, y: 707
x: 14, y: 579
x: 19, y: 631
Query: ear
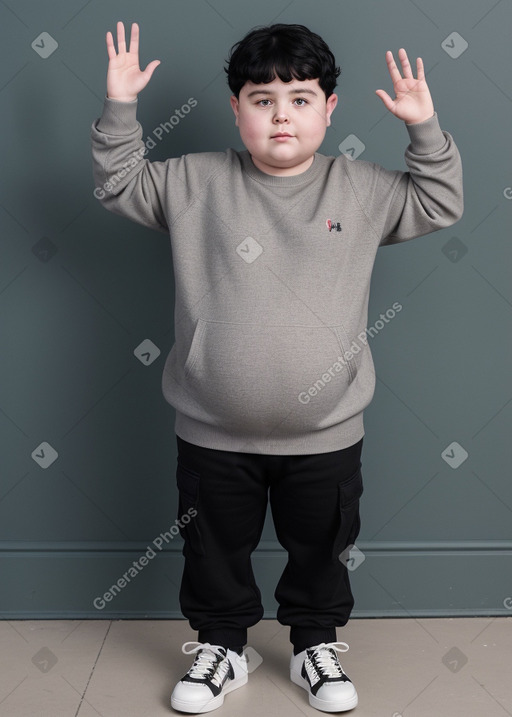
x: 234, y: 104
x: 331, y: 103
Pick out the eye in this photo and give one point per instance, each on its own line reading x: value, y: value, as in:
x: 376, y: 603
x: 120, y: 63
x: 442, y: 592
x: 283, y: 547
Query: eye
x: 260, y: 101
x: 301, y: 99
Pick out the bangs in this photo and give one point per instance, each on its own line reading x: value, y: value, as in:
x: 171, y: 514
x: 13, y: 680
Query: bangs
x: 266, y: 69
x: 286, y: 52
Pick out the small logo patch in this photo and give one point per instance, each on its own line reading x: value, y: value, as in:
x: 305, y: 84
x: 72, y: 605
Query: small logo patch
x: 333, y: 226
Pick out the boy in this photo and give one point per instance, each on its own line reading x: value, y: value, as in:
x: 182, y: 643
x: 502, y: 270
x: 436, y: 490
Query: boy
x: 273, y: 249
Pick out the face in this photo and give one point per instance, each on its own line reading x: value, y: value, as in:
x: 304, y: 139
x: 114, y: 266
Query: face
x: 282, y: 124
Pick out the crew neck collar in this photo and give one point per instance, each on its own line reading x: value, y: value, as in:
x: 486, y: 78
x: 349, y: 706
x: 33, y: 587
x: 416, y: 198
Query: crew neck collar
x: 292, y: 180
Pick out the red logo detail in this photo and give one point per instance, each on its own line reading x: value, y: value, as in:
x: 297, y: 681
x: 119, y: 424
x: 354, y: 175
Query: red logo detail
x: 333, y: 226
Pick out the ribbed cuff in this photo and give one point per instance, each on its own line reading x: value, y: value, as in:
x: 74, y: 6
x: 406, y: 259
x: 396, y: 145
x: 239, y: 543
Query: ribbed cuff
x: 118, y: 117
x: 427, y: 136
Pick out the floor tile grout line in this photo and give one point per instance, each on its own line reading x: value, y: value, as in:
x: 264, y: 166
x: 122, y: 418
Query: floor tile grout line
x: 480, y: 684
x: 482, y: 630
x: 284, y: 693
x: 15, y: 688
x: 93, y: 668
x: 72, y: 631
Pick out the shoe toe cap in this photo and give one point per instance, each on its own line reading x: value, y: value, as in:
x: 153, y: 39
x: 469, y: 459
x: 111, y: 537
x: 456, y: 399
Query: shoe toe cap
x: 337, y: 692
x: 191, y: 693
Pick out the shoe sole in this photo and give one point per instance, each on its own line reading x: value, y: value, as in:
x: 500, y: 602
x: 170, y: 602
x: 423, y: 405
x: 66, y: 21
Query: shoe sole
x: 214, y: 703
x: 323, y: 705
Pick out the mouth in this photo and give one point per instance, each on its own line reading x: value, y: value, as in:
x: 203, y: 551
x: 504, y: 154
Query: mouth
x: 282, y: 135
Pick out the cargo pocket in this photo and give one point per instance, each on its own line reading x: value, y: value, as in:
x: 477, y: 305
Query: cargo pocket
x: 188, y: 507
x: 349, y: 493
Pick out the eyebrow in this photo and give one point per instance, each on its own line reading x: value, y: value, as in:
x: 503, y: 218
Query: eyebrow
x: 291, y: 92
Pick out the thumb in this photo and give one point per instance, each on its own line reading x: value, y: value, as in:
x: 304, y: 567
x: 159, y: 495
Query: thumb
x: 148, y: 72
x: 388, y: 102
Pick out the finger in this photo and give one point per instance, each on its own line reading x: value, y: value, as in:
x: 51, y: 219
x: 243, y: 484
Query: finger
x: 393, y: 69
x: 388, y: 102
x: 111, y: 50
x: 148, y: 72
x: 406, y: 65
x: 420, y: 69
x: 121, y: 42
x: 134, y: 38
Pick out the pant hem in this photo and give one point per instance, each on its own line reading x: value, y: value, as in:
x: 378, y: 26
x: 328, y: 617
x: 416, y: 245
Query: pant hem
x: 303, y: 637
x: 227, y: 637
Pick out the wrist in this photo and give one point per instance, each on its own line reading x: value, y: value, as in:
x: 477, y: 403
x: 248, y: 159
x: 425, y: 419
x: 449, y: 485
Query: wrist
x: 121, y: 99
x: 419, y: 121
x: 426, y: 137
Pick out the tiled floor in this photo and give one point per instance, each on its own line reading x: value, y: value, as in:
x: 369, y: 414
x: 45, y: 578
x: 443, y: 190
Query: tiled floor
x: 412, y: 667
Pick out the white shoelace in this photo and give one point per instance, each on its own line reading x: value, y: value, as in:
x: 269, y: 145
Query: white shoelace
x: 326, y: 661
x: 205, y: 660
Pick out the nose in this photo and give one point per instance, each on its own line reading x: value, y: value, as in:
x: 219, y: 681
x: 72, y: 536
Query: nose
x: 280, y: 116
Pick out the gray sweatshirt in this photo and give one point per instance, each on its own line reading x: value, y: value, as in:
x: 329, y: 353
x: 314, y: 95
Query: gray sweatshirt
x: 272, y: 277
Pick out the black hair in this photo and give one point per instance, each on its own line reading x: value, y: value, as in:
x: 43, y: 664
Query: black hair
x: 288, y: 51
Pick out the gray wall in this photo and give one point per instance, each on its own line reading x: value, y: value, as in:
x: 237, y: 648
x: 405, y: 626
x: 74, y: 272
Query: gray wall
x: 81, y: 289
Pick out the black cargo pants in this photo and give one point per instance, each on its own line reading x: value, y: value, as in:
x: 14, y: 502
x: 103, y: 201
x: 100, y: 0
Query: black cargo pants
x: 314, y: 501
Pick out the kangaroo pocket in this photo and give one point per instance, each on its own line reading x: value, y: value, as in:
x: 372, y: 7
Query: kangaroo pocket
x: 259, y: 377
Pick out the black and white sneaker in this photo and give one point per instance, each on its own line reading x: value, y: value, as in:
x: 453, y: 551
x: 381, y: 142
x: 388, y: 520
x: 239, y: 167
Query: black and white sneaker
x: 216, y: 671
x: 318, y: 670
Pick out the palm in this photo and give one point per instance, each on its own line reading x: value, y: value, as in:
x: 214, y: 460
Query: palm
x: 413, y: 102
x: 124, y: 77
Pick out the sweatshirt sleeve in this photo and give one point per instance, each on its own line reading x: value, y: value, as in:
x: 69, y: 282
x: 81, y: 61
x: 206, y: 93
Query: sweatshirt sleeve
x: 125, y: 182
x: 428, y: 197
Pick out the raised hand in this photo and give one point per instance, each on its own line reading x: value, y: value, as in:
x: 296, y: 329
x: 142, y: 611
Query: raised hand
x: 124, y: 77
x: 413, y: 102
